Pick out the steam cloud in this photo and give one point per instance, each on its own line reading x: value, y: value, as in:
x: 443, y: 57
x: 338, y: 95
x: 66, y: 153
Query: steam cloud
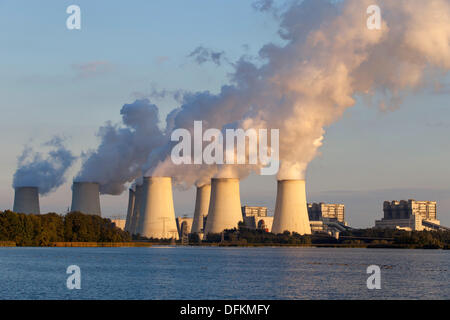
x: 329, y: 57
x: 45, y: 173
x: 123, y: 149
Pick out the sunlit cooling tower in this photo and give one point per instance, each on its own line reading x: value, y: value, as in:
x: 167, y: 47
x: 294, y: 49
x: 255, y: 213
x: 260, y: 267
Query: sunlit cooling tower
x: 291, y: 212
x: 26, y: 200
x: 86, y: 198
x: 157, y: 214
x: 131, y: 199
x: 136, y: 210
x: 201, y: 207
x: 225, y: 205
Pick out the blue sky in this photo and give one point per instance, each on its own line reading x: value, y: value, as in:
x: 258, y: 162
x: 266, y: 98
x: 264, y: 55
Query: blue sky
x: 56, y: 81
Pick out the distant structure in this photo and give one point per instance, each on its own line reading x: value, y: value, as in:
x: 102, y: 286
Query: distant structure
x: 256, y: 218
x: 291, y: 213
x: 26, y: 200
x: 225, y: 205
x: 156, y: 213
x: 409, y: 215
x: 326, y: 212
x: 86, y: 198
x: 184, y: 225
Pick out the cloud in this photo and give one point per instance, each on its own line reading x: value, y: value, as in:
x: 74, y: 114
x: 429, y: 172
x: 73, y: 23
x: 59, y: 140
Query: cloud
x: 202, y: 55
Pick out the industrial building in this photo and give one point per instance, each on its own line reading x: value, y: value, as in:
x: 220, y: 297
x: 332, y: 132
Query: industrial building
x: 409, y: 215
x: 184, y: 225
x: 326, y: 212
x: 201, y: 208
x: 256, y: 218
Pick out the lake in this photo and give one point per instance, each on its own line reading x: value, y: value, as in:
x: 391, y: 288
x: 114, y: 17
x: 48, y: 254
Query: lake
x: 223, y: 273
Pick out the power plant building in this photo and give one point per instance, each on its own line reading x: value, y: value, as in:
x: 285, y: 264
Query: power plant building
x: 409, y: 215
x: 256, y: 218
x: 201, y: 208
x: 184, y: 225
x: 326, y: 212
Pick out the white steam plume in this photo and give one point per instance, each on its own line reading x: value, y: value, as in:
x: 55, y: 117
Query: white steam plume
x: 329, y: 57
x: 46, y: 173
x: 124, y: 148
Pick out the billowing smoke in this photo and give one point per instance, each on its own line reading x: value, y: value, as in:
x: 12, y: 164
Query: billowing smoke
x: 329, y: 57
x: 45, y: 172
x: 124, y: 148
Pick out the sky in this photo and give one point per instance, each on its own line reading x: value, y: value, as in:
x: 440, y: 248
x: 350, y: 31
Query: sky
x: 55, y: 81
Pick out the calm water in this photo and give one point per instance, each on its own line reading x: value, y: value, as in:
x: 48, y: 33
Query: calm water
x: 223, y: 273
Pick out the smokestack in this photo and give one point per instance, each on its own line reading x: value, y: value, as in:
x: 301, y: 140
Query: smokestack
x: 291, y: 212
x: 201, y: 207
x: 86, y: 198
x: 157, y: 214
x: 136, y: 210
x: 225, y: 205
x: 131, y: 199
x: 26, y: 200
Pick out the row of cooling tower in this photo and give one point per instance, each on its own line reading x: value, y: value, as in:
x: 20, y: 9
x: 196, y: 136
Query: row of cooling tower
x: 151, y: 211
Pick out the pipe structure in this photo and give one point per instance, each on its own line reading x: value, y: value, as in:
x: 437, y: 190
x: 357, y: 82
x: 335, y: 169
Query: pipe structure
x: 86, y: 198
x: 291, y: 211
x: 225, y: 205
x: 26, y: 200
x: 201, y: 207
x: 157, y: 214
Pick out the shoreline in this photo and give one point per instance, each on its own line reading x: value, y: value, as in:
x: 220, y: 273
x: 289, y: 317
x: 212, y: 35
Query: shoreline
x: 138, y: 244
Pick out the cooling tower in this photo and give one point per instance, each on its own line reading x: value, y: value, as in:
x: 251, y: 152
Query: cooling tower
x: 201, y: 207
x: 86, y: 198
x: 157, y: 215
x: 225, y: 205
x: 136, y: 210
x: 291, y: 212
x: 131, y: 199
x: 26, y: 200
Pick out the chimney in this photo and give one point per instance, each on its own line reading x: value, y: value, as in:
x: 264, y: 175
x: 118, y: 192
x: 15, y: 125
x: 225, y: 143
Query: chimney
x: 136, y: 210
x: 201, y: 207
x: 131, y: 199
x: 225, y: 205
x: 157, y: 214
x: 26, y: 200
x: 291, y: 212
x: 86, y: 198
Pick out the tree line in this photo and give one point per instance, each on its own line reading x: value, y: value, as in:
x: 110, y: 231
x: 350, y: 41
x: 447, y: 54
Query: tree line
x: 43, y: 229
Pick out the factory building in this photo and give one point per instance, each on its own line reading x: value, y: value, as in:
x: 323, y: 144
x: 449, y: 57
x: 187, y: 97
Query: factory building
x: 326, y: 212
x: 256, y: 218
x: 119, y: 223
x: 409, y: 215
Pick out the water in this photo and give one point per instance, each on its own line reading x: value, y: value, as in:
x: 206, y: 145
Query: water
x: 223, y: 273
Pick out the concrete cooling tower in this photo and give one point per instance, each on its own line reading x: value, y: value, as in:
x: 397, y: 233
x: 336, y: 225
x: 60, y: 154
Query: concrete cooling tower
x: 291, y: 212
x: 225, y: 205
x: 157, y: 214
x: 136, y: 210
x: 201, y: 207
x: 26, y: 200
x: 131, y: 199
x: 86, y: 198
